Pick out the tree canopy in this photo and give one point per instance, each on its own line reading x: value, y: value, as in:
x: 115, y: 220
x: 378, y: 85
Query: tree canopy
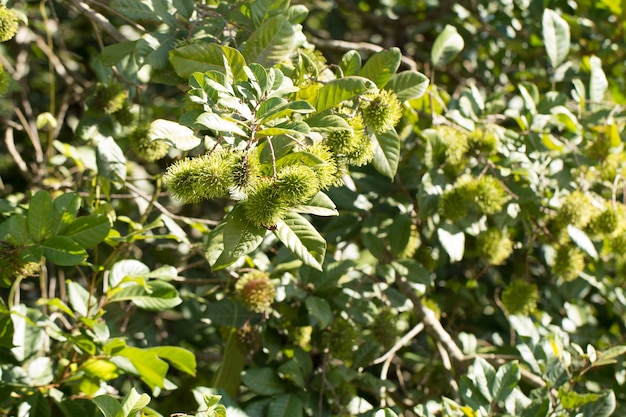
x: 272, y: 208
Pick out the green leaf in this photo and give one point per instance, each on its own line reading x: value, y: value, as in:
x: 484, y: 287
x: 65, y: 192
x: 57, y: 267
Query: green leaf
x: 507, y: 377
x: 381, y: 66
x: 62, y: 250
x: 110, y: 160
x: 40, y: 211
x: 320, y: 205
x: 88, y: 231
x: 446, y: 46
x: 297, y: 128
x: 66, y: 208
x: 603, y: 407
x: 556, y: 37
x: 276, y: 107
x: 386, y: 412
x: 386, y: 152
x: 135, y: 10
x: 114, y: 53
x: 6, y: 327
x: 179, y: 358
x: 319, y: 310
x: 335, y: 92
x: 80, y: 300
x: 214, y: 122
x: 181, y: 137
x: 205, y: 56
x: 127, y: 268
x: 327, y: 123
x: 598, y: 83
x: 285, y: 405
x: 134, y: 402
x: 408, y: 85
x: 149, y: 367
x: 37, y: 405
x: 302, y: 239
x: 215, y: 244
x: 263, y: 381
x: 240, y: 238
x: 350, y: 63
x: 155, y: 296
x: 271, y: 43
x: 185, y: 8
x: 263, y: 9
x: 17, y: 227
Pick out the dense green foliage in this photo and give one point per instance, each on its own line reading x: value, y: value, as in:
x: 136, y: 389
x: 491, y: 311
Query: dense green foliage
x: 346, y: 208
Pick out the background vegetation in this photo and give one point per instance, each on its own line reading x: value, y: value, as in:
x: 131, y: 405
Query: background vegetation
x: 275, y: 208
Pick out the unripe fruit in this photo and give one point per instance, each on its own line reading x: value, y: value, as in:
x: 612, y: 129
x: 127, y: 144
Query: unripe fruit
x: 326, y: 172
x: 576, y: 210
x: 264, y: 207
x: 296, y: 184
x: 490, y: 195
x: 256, y: 290
x: 124, y: 116
x: 520, y: 297
x: 569, y: 262
x: 146, y: 148
x: 381, y: 111
x: 4, y: 81
x: 493, y: 246
x: 109, y: 98
x: 8, y: 24
x: 341, y: 338
x: 355, y: 147
x: 608, y: 222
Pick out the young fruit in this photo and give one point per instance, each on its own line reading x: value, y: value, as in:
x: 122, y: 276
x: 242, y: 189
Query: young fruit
x: 148, y: 149
x: 296, y: 184
x: 264, y: 207
x: 493, y: 246
x: 8, y: 24
x: 381, y: 111
x: 520, y: 297
x: 109, y: 98
x: 256, y: 290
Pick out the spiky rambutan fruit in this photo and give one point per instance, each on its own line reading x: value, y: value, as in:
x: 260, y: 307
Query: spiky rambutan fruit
x: 490, y: 195
x: 148, y: 149
x: 456, y: 142
x: 256, y: 290
x: 483, y: 141
x: 264, y: 207
x: 326, y: 171
x: 13, y: 265
x: 381, y: 111
x: 355, y: 146
x: 569, y: 262
x: 109, y: 98
x: 245, y: 169
x: 384, y: 328
x: 341, y: 338
x: 612, y: 165
x: 296, y: 184
x: 576, y: 209
x: 8, y: 24
x: 124, y: 115
x: 494, y: 246
x: 520, y: 297
x: 454, y: 202
x: 204, y: 177
x: 4, y: 81
x: 250, y: 339
x: 606, y: 223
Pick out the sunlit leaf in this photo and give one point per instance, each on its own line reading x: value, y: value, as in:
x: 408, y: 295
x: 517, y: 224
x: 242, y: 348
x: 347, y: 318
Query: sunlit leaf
x: 556, y: 36
x: 301, y: 238
x: 446, y: 46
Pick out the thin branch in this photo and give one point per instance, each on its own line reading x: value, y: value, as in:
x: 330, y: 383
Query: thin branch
x: 165, y: 211
x: 404, y: 340
x: 17, y: 158
x: 99, y: 20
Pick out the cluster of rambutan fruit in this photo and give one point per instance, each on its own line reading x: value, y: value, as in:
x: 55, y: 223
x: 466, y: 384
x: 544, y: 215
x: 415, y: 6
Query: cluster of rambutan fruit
x: 268, y: 190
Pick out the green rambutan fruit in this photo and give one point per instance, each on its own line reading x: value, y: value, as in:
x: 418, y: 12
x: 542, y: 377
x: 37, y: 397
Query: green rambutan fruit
x: 245, y: 169
x: 4, y: 81
x: 264, y: 207
x: 327, y: 171
x: 569, y: 262
x: 341, y: 338
x: 354, y: 146
x: 381, y: 111
x: 454, y: 202
x: 520, y: 297
x: 608, y: 222
x: 612, y: 165
x: 8, y: 24
x: 576, y: 209
x: 124, y: 116
x: 256, y: 290
x: 483, y: 141
x: 490, y: 195
x: 195, y: 179
x: 148, y: 149
x: 457, y: 145
x: 384, y: 328
x: 109, y: 98
x: 296, y: 184
x: 493, y: 246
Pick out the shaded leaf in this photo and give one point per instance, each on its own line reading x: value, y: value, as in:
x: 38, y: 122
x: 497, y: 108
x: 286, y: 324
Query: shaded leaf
x: 205, y: 56
x: 386, y: 152
x: 155, y: 296
x: 408, y: 85
x: 285, y: 405
x: 109, y: 406
x: 62, y: 250
x: 319, y: 310
x: 263, y: 381
x: 270, y: 43
x: 40, y: 210
x: 302, y: 239
x: 239, y: 237
x: 110, y: 160
x: 88, y: 231
x: 507, y: 377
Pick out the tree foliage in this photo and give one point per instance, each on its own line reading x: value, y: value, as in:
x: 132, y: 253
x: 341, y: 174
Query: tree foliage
x: 275, y: 208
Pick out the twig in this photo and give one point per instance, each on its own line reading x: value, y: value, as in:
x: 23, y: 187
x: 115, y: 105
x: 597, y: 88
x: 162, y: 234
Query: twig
x: 165, y: 211
x: 17, y: 158
x: 99, y: 19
